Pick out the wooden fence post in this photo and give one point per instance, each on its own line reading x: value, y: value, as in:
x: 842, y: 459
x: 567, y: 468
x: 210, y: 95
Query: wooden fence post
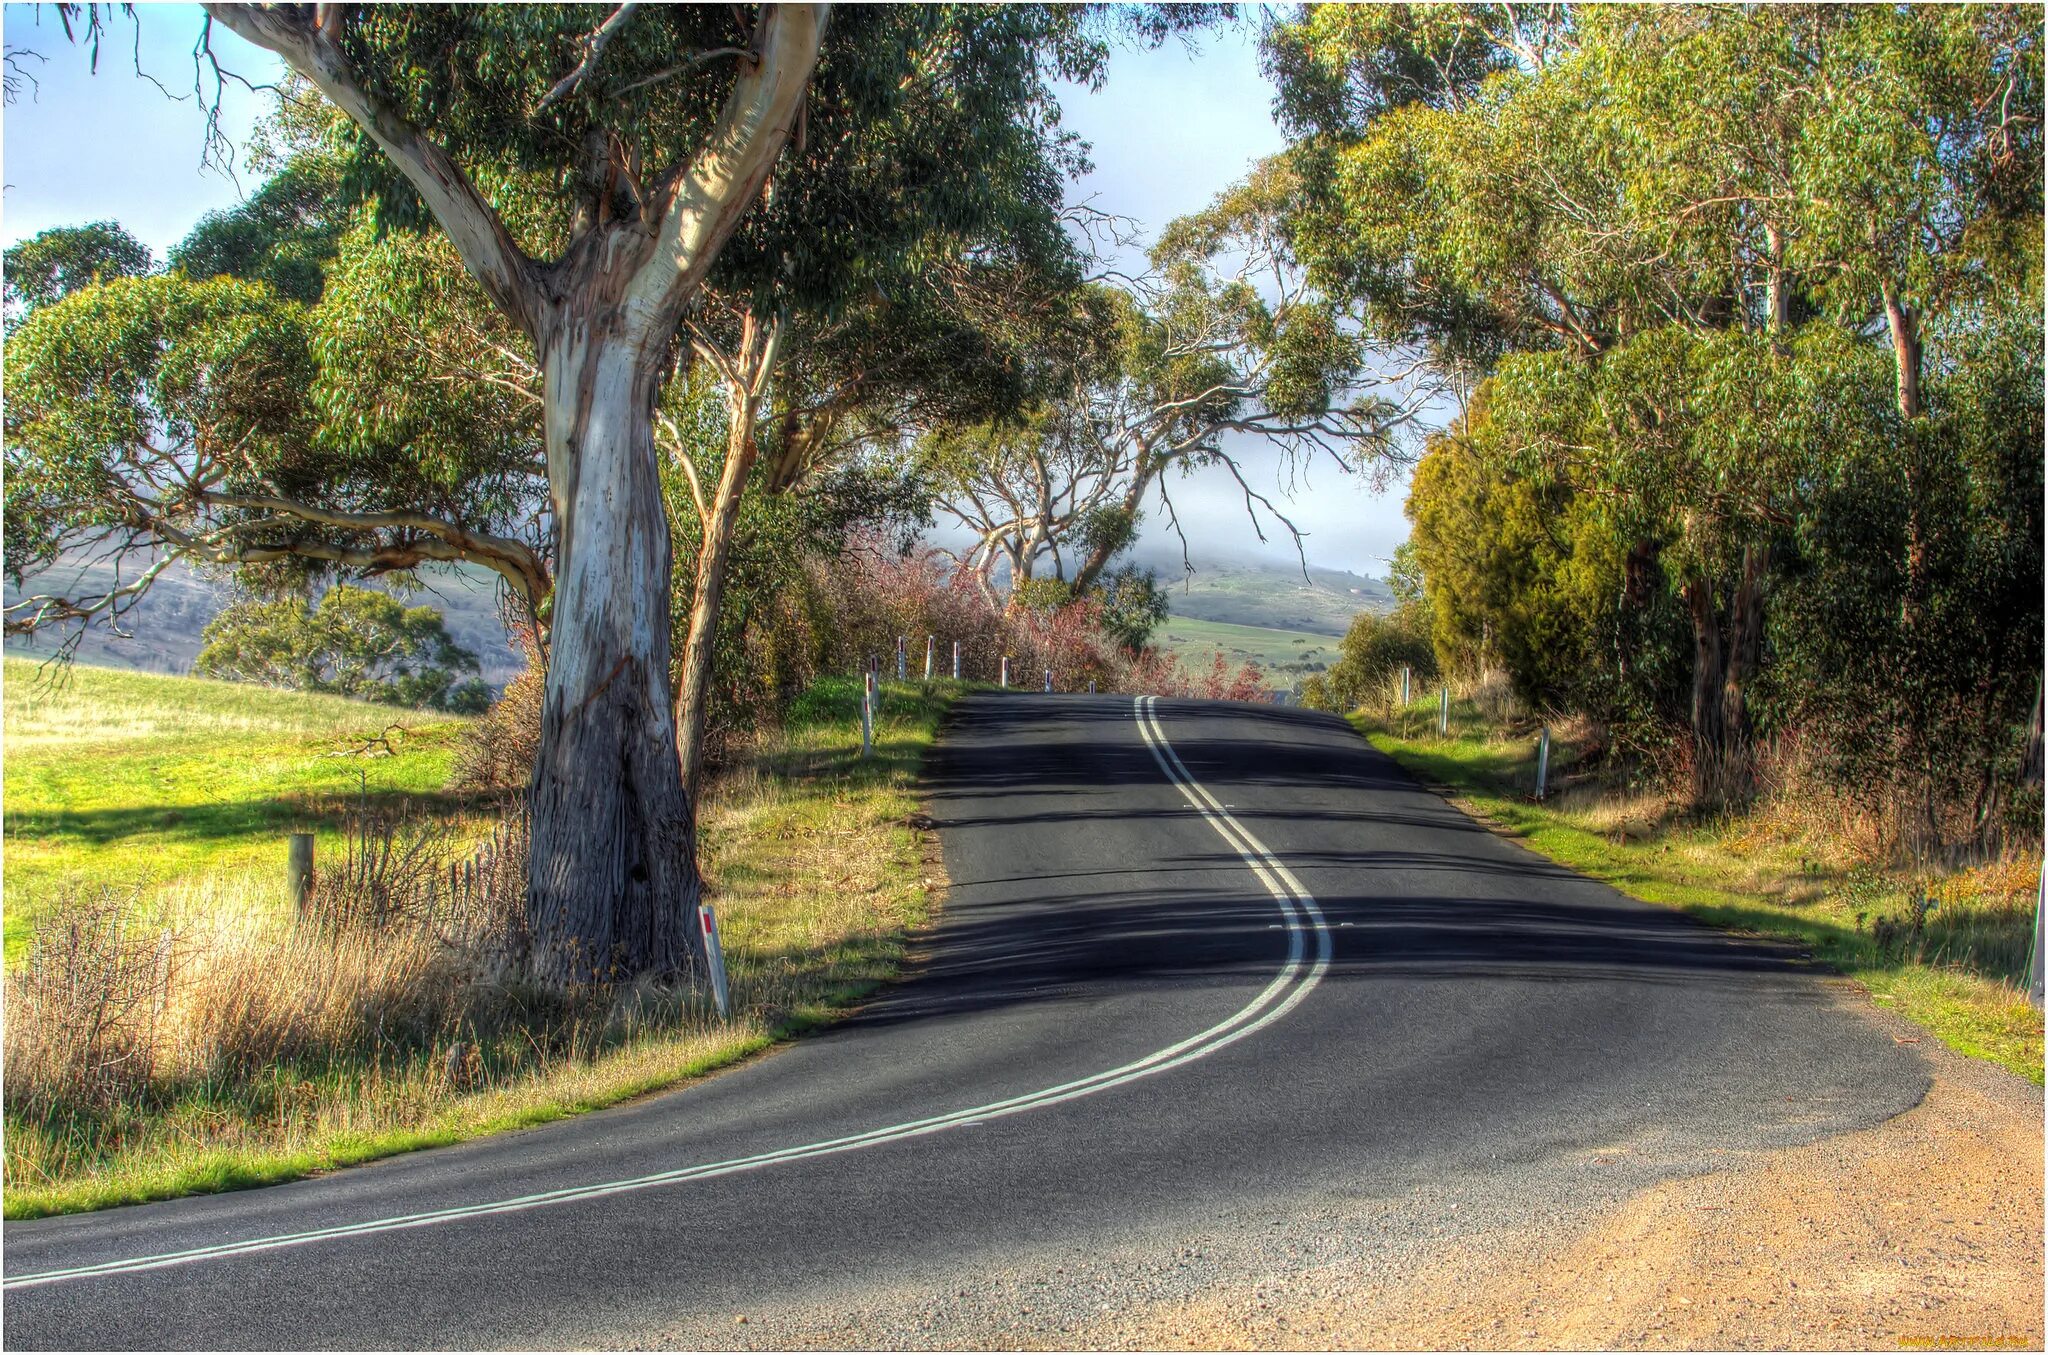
x: 299, y: 870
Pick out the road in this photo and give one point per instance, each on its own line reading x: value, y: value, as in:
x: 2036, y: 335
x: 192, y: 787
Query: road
x: 1197, y: 959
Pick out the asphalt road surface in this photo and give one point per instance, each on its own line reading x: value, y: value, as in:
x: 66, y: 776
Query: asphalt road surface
x: 1196, y: 957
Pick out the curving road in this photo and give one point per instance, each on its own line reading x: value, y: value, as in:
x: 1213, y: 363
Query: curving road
x: 1197, y: 959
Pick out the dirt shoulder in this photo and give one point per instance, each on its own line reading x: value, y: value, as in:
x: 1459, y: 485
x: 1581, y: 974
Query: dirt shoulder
x: 1922, y: 1233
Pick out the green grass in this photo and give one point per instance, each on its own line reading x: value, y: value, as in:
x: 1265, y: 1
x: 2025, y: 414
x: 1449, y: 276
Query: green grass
x: 1779, y: 872
x: 142, y: 782
x: 1282, y: 654
x: 812, y: 855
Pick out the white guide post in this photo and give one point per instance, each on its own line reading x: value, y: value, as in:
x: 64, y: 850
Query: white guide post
x: 715, y: 954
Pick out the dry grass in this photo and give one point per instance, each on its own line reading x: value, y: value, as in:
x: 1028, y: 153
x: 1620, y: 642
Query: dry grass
x: 207, y: 1043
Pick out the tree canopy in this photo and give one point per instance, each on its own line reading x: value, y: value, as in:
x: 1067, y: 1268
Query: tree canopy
x: 1712, y: 265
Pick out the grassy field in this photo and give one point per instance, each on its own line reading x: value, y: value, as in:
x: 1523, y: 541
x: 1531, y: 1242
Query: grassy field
x: 1284, y: 655
x: 159, y: 785
x: 284, y: 1050
x: 1782, y: 872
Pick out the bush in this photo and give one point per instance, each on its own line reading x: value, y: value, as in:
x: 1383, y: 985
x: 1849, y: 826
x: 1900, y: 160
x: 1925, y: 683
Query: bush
x: 878, y: 594
x: 1370, y: 658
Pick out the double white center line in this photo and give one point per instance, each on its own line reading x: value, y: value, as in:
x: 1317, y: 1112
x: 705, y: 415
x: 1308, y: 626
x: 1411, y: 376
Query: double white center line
x: 1296, y: 977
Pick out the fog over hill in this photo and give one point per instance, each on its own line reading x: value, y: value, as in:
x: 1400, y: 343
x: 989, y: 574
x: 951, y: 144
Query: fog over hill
x: 1249, y: 590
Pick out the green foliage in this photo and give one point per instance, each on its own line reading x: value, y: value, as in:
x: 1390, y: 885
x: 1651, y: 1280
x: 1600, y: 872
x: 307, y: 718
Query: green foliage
x: 284, y: 234
x: 1370, y: 658
x: 901, y: 96
x: 50, y: 266
x: 1705, y: 260
x: 1928, y: 686
x: 356, y: 642
x: 141, y: 382
x: 1132, y: 605
x: 1518, y: 573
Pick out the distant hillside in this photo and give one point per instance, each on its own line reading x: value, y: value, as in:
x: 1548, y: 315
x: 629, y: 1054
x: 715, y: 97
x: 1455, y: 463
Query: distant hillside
x: 163, y: 629
x: 1285, y: 656
x: 1244, y: 592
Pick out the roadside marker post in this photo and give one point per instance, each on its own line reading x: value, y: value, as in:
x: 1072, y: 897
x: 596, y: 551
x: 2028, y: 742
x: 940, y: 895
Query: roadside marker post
x: 714, y: 955
x: 931, y: 645
x: 1091, y: 686
x: 2034, y: 959
x: 1406, y: 674
x: 1443, y: 713
x: 1542, y: 760
x: 1048, y: 679
x: 867, y: 715
x: 1006, y: 670
x: 901, y: 642
x: 956, y: 661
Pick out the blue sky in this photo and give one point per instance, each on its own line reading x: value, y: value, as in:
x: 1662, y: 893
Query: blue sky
x: 1169, y: 130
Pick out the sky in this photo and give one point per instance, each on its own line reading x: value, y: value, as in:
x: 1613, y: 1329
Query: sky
x: 1169, y: 130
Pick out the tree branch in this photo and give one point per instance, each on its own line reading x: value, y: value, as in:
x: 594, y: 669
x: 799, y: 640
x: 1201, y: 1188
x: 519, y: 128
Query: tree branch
x: 477, y: 232
x: 702, y: 203
x: 598, y: 41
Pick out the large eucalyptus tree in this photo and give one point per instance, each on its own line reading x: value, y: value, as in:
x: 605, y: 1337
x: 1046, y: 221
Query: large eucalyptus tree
x: 587, y: 164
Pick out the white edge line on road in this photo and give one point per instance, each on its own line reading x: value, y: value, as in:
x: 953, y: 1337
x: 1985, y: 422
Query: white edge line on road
x: 1297, y: 907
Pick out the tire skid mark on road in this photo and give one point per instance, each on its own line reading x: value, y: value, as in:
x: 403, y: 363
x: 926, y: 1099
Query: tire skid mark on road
x: 1289, y: 986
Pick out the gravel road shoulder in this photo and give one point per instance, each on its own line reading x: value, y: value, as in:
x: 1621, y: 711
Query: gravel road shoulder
x: 1924, y: 1232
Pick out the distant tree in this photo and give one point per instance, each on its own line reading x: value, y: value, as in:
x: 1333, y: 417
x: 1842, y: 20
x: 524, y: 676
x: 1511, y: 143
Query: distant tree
x: 1226, y: 345
x: 355, y: 642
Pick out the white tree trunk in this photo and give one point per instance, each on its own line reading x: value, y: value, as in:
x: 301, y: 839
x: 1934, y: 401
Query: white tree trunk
x: 613, y: 887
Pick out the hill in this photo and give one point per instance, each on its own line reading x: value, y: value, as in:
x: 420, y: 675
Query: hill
x: 161, y: 634
x: 1285, y: 656
x: 1268, y: 594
